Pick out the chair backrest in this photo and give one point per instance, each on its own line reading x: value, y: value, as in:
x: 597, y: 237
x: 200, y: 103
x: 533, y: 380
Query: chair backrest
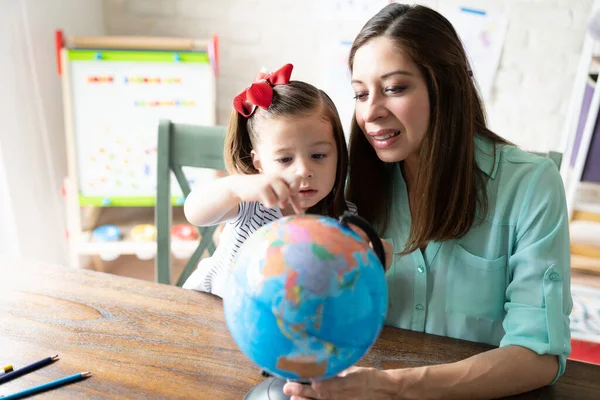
x: 555, y: 156
x: 182, y: 145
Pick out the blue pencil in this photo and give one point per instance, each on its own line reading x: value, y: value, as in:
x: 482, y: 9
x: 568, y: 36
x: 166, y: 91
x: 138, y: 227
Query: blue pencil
x: 47, y: 386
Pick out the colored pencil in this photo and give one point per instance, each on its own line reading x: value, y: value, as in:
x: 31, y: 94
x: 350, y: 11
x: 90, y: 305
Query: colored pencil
x: 47, y: 386
x: 27, y: 369
x: 6, y: 369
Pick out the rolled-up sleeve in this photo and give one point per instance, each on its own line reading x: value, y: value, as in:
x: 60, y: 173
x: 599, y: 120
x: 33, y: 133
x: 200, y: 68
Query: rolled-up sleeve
x: 538, y: 294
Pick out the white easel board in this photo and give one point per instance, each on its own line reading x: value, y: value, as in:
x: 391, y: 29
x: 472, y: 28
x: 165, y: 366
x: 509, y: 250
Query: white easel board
x: 118, y: 97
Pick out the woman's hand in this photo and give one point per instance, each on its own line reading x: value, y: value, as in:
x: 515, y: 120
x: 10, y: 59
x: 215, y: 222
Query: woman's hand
x: 353, y: 384
x: 270, y: 190
x: 388, y: 248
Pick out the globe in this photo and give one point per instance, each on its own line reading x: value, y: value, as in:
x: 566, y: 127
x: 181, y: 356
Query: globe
x: 307, y: 298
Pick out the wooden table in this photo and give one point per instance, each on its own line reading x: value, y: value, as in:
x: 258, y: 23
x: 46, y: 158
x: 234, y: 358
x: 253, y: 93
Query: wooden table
x: 145, y: 340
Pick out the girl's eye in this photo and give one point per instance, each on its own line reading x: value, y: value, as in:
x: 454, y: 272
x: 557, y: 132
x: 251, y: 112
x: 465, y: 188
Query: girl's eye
x: 395, y: 89
x: 285, y: 160
x: 318, y: 156
x: 360, y: 96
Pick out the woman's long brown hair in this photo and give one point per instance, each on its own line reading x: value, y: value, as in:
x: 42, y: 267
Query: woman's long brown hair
x: 449, y: 186
x: 289, y: 101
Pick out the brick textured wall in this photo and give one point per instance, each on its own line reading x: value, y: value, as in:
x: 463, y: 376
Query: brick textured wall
x: 533, y: 84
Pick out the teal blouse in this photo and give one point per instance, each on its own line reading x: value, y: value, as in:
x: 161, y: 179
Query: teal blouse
x: 507, y: 281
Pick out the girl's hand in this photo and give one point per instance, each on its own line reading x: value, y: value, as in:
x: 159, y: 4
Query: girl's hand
x: 270, y: 190
x: 354, y: 383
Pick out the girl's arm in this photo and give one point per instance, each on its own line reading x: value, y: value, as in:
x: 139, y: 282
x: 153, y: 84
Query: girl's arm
x: 213, y: 203
x: 218, y: 202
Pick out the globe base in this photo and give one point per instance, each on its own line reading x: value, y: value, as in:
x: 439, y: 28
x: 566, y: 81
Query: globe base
x: 269, y: 389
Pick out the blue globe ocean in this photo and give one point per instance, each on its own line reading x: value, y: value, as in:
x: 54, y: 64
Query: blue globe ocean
x: 307, y: 299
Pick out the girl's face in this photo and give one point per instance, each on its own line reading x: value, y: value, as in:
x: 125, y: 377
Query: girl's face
x: 302, y: 146
x: 392, y: 102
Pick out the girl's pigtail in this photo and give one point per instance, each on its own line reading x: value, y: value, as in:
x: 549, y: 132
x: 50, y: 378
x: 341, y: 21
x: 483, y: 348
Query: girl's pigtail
x: 238, y: 146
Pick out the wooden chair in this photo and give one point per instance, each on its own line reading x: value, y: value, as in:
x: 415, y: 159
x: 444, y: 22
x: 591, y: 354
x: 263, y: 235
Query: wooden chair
x: 181, y: 145
x: 553, y: 155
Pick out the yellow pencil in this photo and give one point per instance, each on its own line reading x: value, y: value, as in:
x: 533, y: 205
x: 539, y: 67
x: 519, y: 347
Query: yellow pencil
x: 5, y: 369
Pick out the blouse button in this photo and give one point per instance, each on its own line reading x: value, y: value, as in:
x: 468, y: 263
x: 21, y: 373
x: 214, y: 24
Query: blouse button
x: 419, y: 307
x: 420, y: 269
x: 554, y: 276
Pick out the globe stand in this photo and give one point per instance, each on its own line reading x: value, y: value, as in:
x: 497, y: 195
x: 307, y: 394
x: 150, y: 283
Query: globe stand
x: 269, y: 389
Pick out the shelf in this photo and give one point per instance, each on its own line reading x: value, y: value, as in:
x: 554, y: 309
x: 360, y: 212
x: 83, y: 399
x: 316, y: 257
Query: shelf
x: 585, y: 264
x: 125, y: 219
x: 587, y: 198
x: 87, y: 247
x: 595, y: 64
x: 133, y: 267
x: 585, y: 240
x: 585, y: 233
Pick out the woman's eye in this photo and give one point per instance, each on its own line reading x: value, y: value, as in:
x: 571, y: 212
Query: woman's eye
x: 360, y: 96
x: 318, y: 156
x: 285, y: 160
x: 395, y: 89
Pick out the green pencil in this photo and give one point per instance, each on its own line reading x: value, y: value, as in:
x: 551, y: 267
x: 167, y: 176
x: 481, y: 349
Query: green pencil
x: 47, y: 386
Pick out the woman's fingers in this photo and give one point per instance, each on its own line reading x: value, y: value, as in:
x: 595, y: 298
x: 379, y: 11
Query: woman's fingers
x: 388, y: 250
x: 389, y: 253
x: 299, y: 391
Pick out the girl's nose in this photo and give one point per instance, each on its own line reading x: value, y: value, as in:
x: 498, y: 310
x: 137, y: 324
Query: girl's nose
x: 303, y: 169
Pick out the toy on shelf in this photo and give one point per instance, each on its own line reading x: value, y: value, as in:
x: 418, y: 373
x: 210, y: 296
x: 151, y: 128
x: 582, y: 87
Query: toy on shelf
x: 107, y: 233
x: 144, y: 233
x: 181, y: 234
x: 184, y: 232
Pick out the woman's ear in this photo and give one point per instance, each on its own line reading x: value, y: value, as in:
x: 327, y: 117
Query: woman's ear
x: 256, y: 161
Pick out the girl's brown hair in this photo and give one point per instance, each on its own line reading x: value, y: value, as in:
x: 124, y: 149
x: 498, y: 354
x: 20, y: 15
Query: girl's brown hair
x: 449, y: 186
x: 289, y: 101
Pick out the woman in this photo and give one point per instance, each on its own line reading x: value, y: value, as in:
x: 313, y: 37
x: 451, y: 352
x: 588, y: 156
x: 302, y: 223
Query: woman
x: 480, y: 227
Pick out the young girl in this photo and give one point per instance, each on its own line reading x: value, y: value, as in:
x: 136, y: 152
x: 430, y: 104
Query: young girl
x: 286, y: 153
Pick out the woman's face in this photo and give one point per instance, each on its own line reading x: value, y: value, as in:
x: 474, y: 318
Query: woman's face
x: 392, y: 102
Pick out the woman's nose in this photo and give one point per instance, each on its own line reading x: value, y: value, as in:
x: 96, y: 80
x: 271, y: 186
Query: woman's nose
x: 373, y: 109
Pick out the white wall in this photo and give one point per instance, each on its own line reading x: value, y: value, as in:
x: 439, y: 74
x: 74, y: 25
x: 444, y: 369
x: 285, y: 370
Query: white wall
x: 32, y: 146
x: 8, y: 228
x: 533, y: 87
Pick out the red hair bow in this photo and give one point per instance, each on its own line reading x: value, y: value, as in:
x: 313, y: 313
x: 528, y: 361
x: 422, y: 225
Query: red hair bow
x: 260, y: 93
